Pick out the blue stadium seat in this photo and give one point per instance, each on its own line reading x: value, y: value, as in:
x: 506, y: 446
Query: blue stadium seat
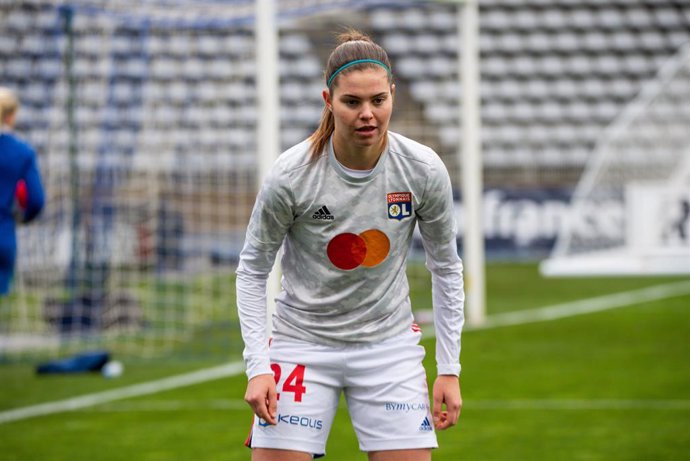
x: 668, y: 18
x: 638, y: 64
x: 240, y: 45
x: 384, y: 19
x: 47, y: 20
x: 581, y: 18
x: 608, y: 64
x: 553, y: 19
x: 496, y: 20
x: 411, y: 67
x: 610, y: 18
x: 622, y: 88
x: 18, y: 69
x: 36, y: 93
x: 592, y: 88
x: 523, y: 66
x: 18, y: 21
x: 8, y: 43
x: 442, y: 113
x: 595, y: 41
x: 292, y: 91
x: 522, y: 112
x: 397, y: 43
x: 551, y: 65
x: 209, y: 46
x: 450, y: 135
x: 524, y: 20
x: 494, y: 67
x: 413, y: 19
x: 638, y: 17
x: 442, y: 20
x: 450, y: 44
x: 426, y: 43
x: 240, y: 138
x: 179, y: 46
x: 306, y: 67
x: 567, y: 42
x: 291, y: 136
x: 294, y: 45
x: 677, y: 38
x: 652, y: 41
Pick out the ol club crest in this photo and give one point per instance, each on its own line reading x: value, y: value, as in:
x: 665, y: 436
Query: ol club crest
x: 399, y: 205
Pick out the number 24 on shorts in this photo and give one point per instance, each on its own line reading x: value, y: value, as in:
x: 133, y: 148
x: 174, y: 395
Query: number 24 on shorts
x: 293, y: 383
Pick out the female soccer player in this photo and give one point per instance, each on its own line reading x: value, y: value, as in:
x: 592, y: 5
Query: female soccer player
x: 20, y: 186
x: 343, y: 204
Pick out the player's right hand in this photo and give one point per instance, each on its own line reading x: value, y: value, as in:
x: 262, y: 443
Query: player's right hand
x: 261, y: 396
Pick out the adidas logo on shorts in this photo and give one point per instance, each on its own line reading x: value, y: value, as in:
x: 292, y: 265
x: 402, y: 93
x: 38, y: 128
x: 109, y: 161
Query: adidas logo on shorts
x: 323, y: 213
x: 426, y: 425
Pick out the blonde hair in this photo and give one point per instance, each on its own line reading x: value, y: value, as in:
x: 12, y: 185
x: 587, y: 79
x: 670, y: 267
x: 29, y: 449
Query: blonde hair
x: 9, y: 103
x: 352, y: 46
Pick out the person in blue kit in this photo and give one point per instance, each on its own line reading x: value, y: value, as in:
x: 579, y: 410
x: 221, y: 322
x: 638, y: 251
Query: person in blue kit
x: 21, y: 191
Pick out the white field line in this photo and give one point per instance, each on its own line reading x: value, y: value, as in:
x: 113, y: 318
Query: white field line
x: 136, y: 390
x: 580, y: 404
x: 171, y: 405
x: 586, y: 306
x: 557, y: 311
x: 492, y: 404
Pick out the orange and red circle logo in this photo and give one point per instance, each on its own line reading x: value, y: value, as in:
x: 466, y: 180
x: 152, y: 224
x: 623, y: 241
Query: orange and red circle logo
x: 348, y: 251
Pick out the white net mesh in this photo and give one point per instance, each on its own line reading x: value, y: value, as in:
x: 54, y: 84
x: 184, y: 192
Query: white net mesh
x: 632, y: 206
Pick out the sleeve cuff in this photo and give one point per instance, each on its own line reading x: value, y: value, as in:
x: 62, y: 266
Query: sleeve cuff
x: 260, y: 367
x: 451, y: 369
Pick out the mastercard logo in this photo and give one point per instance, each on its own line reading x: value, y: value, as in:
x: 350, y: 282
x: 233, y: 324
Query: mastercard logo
x: 348, y: 251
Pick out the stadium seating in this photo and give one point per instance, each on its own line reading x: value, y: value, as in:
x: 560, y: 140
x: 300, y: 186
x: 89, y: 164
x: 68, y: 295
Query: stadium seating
x: 554, y: 74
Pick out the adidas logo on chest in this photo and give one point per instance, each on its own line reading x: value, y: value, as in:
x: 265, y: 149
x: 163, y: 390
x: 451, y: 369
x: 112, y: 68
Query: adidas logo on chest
x: 323, y: 213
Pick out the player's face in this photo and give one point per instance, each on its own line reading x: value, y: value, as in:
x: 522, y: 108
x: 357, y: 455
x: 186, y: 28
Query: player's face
x: 362, y: 105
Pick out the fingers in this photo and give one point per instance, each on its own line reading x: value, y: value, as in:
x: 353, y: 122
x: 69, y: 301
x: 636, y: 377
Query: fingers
x: 443, y: 419
x: 452, y: 413
x: 272, y: 403
x: 442, y: 422
x: 437, y: 414
x: 446, y: 393
x: 261, y: 397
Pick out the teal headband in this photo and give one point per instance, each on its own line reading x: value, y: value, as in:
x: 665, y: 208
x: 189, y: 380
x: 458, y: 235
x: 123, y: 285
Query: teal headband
x: 352, y: 63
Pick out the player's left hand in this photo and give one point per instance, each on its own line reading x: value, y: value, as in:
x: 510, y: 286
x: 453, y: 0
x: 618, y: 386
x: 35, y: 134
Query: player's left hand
x: 446, y: 391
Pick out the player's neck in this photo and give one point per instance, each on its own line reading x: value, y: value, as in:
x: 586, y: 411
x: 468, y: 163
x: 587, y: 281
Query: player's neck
x: 358, y: 157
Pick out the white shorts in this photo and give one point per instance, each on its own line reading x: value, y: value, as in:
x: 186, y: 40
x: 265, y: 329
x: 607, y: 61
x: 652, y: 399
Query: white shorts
x: 385, y: 389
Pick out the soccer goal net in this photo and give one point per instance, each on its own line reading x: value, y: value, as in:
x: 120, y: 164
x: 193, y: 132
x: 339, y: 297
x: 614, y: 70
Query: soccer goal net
x: 144, y: 116
x: 631, y: 208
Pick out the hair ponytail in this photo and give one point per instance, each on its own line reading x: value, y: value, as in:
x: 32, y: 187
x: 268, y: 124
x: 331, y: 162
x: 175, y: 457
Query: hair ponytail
x: 352, y: 46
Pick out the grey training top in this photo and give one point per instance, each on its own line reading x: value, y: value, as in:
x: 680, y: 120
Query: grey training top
x: 346, y: 241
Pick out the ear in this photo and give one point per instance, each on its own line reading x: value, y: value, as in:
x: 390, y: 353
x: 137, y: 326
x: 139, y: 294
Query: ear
x: 9, y: 119
x: 326, y: 95
x: 393, y: 90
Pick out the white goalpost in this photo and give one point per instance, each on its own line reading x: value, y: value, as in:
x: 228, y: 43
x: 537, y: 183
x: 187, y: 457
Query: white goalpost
x: 471, y: 160
x: 631, y: 209
x: 268, y: 124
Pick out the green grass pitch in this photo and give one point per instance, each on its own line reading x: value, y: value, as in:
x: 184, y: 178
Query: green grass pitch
x: 610, y: 385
